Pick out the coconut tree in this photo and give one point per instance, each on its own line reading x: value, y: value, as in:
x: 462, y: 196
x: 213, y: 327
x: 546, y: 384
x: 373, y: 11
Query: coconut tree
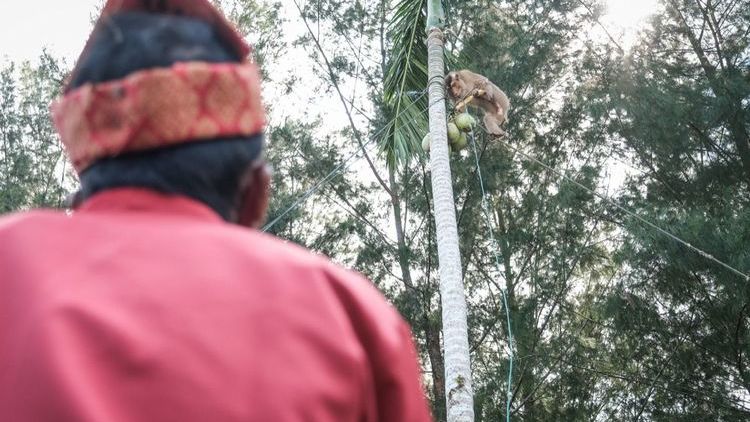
x: 409, y: 69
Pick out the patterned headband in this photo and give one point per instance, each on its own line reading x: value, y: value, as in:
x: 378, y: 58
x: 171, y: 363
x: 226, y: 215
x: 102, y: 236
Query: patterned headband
x: 154, y: 108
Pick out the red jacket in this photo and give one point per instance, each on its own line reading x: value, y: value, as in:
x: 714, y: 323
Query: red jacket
x: 143, y: 307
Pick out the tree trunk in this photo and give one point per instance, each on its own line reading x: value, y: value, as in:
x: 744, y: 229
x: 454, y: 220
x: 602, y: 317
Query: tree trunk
x: 419, y: 311
x: 435, y: 354
x: 459, y: 392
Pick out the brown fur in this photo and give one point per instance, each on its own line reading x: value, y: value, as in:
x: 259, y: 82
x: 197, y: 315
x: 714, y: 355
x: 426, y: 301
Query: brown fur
x: 462, y: 83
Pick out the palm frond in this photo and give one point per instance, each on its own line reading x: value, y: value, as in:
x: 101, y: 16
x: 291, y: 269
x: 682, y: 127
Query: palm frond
x: 405, y: 80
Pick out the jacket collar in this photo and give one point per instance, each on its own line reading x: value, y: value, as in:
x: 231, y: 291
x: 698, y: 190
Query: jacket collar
x: 147, y: 200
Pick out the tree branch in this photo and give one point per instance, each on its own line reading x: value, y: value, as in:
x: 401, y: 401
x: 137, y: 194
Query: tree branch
x: 332, y: 76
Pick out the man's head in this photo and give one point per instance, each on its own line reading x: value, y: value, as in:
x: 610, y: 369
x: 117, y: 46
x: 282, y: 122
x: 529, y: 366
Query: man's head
x: 140, y: 77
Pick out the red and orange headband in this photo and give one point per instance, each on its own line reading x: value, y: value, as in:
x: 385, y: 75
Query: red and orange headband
x: 154, y: 108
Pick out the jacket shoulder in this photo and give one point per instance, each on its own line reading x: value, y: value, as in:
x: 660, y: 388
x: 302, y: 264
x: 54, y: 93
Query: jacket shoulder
x: 360, y: 295
x: 24, y: 218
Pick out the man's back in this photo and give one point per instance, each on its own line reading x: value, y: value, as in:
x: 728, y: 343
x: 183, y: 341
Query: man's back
x: 148, y: 307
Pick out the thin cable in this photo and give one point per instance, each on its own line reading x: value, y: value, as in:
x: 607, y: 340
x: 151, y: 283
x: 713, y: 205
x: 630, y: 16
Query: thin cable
x: 336, y: 170
x: 317, y: 186
x: 496, y: 248
x: 627, y: 211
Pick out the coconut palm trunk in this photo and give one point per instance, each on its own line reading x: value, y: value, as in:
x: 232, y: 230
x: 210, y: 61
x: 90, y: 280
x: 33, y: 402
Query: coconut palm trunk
x: 458, y: 389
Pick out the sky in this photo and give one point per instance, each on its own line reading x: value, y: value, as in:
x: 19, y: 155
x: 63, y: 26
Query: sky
x: 62, y: 26
x: 623, y: 18
x: 27, y: 26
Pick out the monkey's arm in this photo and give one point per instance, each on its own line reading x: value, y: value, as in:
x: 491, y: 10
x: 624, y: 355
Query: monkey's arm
x: 477, y: 93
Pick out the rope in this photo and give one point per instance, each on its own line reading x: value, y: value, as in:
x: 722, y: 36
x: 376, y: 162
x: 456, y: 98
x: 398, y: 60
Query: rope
x: 333, y: 173
x: 629, y: 212
x: 496, y: 248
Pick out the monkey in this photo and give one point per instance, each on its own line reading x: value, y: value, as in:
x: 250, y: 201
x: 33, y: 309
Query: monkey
x: 487, y: 96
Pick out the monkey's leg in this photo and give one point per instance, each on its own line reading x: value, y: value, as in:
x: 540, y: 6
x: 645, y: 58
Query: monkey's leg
x: 492, y: 126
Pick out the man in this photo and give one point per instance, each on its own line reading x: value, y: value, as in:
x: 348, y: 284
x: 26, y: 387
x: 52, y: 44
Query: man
x: 151, y: 302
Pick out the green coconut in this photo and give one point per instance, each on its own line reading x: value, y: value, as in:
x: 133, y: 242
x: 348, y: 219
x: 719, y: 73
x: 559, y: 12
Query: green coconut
x: 453, y: 132
x: 465, y: 122
x: 426, y: 142
x: 460, y: 143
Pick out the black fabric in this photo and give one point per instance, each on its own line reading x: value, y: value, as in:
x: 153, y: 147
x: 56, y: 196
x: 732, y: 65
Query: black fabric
x: 209, y: 171
x: 134, y: 41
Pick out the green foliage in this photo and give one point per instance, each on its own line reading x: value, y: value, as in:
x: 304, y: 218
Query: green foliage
x: 405, y: 76
x: 260, y: 23
x: 32, y: 163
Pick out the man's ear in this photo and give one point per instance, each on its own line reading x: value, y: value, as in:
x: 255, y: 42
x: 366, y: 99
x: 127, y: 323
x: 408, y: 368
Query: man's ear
x: 254, y: 197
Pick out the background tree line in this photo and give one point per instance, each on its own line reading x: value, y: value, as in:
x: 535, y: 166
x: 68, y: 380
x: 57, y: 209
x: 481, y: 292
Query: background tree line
x: 611, y: 319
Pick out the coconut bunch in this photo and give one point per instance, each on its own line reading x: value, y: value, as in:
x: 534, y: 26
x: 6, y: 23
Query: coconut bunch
x: 457, y: 129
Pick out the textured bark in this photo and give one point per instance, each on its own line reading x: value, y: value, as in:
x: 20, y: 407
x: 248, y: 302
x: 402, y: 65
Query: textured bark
x: 435, y: 354
x: 459, y: 392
